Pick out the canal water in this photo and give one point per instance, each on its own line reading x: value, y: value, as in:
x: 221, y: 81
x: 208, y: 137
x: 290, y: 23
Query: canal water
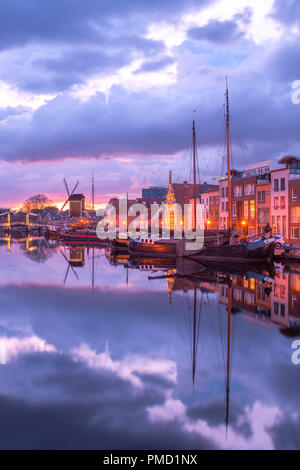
x: 109, y: 352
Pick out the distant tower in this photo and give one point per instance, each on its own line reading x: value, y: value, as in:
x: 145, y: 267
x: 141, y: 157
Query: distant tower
x: 171, y: 220
x: 170, y: 197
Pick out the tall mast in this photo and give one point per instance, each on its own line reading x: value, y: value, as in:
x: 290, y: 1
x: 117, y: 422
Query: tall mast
x: 93, y: 191
x: 194, y: 332
x: 228, y: 158
x: 194, y: 172
x: 228, y: 352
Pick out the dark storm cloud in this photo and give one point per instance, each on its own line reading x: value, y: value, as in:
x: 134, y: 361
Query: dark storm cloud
x: 73, y: 21
x: 151, y: 123
x: 285, y: 62
x: 73, y: 407
x: 70, y: 68
x: 218, y: 32
x: 153, y: 66
x: 286, y: 11
x: 114, y: 28
x: 214, y: 414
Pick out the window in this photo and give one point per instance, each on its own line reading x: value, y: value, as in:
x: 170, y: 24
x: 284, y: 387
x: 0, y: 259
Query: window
x: 282, y: 203
x: 284, y: 225
x: 223, y: 206
x: 227, y: 191
x: 294, y: 301
x: 282, y: 310
x: 276, y: 185
x: 246, y: 190
x: 278, y: 225
x: 294, y: 232
x: 276, y: 308
x: 273, y: 224
x: 234, y: 210
x: 259, y: 197
x: 252, y: 189
x: 238, y: 191
x: 282, y: 184
x: 295, y: 219
x: 294, y: 194
x: 276, y: 202
x: 252, y: 209
x: 263, y: 197
x: 223, y: 192
x: 246, y: 210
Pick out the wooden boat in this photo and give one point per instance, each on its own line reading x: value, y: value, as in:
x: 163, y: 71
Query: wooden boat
x: 257, y: 251
x: 244, y: 251
x: 150, y: 247
x: 90, y: 237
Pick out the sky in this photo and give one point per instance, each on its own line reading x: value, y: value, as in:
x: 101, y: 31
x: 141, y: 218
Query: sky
x: 110, y: 87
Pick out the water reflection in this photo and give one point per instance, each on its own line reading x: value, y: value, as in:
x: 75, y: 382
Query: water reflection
x: 109, y: 351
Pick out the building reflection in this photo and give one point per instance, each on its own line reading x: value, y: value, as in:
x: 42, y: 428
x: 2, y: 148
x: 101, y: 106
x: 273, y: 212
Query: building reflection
x: 269, y: 303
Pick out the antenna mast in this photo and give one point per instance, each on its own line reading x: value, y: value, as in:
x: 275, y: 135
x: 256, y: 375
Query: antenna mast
x: 93, y: 191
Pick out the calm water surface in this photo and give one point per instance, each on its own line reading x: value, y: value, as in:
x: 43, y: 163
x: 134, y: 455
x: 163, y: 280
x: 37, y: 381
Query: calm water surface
x: 117, y: 356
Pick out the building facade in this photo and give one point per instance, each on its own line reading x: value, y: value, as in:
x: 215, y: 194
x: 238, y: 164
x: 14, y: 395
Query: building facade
x: 285, y: 199
x: 210, y: 200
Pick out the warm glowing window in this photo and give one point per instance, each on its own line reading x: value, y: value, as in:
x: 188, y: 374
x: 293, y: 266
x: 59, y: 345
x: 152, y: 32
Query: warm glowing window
x: 295, y: 215
x: 246, y: 210
x: 252, y: 209
x: 295, y: 282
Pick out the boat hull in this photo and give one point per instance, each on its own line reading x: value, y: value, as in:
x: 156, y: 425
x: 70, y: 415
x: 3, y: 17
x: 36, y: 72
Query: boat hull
x: 239, y: 253
x: 158, y: 248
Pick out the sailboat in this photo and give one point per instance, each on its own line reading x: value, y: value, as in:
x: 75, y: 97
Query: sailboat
x: 166, y: 247
x: 257, y: 250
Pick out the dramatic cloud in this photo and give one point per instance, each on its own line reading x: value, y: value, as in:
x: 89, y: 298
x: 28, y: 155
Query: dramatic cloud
x: 219, y: 32
x: 118, y: 82
x: 155, y: 65
x: 287, y: 11
x: 72, y: 21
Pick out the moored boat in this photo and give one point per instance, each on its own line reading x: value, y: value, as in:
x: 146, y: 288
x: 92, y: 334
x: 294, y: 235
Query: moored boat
x: 258, y: 251
x: 150, y: 247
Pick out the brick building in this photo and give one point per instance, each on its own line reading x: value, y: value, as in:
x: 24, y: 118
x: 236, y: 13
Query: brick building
x: 285, y: 199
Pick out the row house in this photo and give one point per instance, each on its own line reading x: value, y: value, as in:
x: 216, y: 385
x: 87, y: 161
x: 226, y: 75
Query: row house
x: 210, y: 200
x: 267, y: 307
x: 263, y: 193
x: 223, y: 204
x: 285, y: 199
x: 251, y: 195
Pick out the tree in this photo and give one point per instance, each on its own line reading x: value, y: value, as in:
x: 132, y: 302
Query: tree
x: 38, y: 201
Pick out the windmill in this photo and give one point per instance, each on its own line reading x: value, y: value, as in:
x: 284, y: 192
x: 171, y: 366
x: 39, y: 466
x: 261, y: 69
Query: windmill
x: 68, y: 268
x: 68, y: 192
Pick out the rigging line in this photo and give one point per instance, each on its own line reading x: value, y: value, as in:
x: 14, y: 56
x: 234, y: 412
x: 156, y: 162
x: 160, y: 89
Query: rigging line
x: 212, y: 329
x: 184, y: 157
x: 246, y: 353
x: 239, y: 141
x: 217, y: 150
x: 222, y: 342
x: 214, y: 148
x: 199, y: 318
